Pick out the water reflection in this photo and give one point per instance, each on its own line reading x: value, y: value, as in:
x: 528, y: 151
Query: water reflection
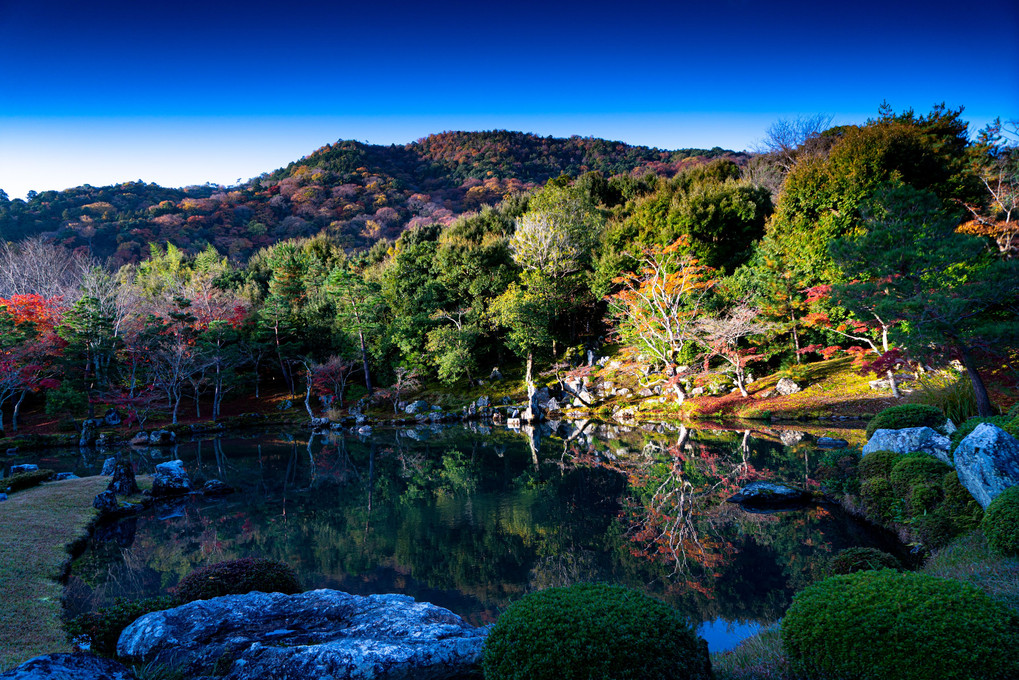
x: 473, y: 519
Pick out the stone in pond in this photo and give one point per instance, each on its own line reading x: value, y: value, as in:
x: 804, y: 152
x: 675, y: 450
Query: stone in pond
x: 318, y: 634
x: 831, y: 443
x: 769, y: 495
x: 170, y: 479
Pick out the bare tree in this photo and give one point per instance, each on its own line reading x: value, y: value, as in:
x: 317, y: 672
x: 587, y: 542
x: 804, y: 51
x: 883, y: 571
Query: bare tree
x: 788, y: 138
x: 722, y: 336
x: 37, y: 266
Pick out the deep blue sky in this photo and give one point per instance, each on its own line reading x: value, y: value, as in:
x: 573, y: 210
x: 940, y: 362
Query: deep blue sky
x: 192, y: 92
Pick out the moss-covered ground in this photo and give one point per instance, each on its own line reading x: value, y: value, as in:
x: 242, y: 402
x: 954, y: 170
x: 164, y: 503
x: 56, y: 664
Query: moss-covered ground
x: 37, y: 527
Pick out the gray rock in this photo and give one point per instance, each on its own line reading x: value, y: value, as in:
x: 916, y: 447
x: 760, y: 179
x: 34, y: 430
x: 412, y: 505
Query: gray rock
x: 785, y: 387
x: 123, y: 482
x: 483, y: 403
x: 910, y: 440
x: 318, y: 634
x: 949, y: 427
x: 27, y: 467
x: 552, y: 405
x: 645, y: 393
x: 106, y: 503
x: 112, y: 417
x: 3, y: 497
x: 416, y: 406
x: 61, y: 476
x: 364, y: 430
x: 320, y: 423
x: 831, y: 443
x: 215, y: 487
x: 495, y: 375
x: 109, y: 465
x: 987, y: 461
x: 140, y: 438
x: 170, y: 479
x: 768, y: 495
x: 80, y: 666
x: 162, y: 438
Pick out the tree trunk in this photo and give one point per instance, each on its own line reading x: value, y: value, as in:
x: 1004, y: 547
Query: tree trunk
x: 984, y: 407
x: 307, y: 395
x: 891, y: 374
x: 364, y: 361
x: 530, y: 366
x: 17, y: 409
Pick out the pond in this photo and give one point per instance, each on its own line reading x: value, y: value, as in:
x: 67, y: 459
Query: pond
x: 472, y: 518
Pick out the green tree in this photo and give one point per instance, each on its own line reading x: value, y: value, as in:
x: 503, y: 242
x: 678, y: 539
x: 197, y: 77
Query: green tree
x: 949, y: 291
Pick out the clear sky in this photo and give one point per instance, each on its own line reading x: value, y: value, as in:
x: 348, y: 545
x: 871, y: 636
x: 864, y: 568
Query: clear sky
x: 189, y: 92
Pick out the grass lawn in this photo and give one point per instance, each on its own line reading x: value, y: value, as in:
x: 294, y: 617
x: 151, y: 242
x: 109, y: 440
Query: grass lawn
x: 36, y: 527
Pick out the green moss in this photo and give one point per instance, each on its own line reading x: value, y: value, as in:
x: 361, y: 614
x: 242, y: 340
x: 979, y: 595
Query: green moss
x: 877, y: 625
x: 1001, y: 523
x: 915, y: 468
x: 924, y: 497
x: 906, y: 415
x: 593, y: 631
x: 878, y: 498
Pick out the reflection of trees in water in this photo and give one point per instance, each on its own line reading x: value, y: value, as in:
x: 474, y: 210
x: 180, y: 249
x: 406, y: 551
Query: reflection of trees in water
x: 470, y: 522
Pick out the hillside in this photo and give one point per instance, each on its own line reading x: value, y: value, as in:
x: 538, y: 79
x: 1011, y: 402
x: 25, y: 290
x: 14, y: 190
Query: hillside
x: 358, y: 193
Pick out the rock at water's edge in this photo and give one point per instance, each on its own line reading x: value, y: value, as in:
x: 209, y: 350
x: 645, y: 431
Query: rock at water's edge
x: 80, y: 666
x: 322, y: 633
x: 170, y: 479
x: 769, y: 495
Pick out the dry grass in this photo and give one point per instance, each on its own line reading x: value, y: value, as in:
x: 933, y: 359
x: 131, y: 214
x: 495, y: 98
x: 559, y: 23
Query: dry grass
x: 758, y: 657
x: 969, y: 559
x: 36, y: 527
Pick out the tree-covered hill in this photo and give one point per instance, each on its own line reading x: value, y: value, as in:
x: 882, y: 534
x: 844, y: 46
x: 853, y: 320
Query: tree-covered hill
x: 356, y: 193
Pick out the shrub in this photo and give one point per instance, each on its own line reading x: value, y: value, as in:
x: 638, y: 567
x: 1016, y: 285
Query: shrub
x: 593, y: 631
x: 26, y: 480
x: 1004, y: 422
x: 876, y: 625
x: 852, y: 560
x: 906, y: 415
x: 878, y: 464
x: 878, y: 498
x: 237, y: 577
x: 1001, y: 522
x: 101, y: 629
x: 923, y: 497
x: 839, y: 471
x: 915, y: 468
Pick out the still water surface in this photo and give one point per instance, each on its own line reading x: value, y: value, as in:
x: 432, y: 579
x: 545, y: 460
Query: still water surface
x: 472, y: 519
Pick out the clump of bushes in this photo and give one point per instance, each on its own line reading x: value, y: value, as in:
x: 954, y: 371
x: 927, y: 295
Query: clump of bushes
x: 593, y: 631
x: 875, y: 625
x: 26, y: 480
x: 852, y: 560
x: 839, y: 471
x: 237, y: 577
x: 919, y: 493
x: 101, y: 629
x: 1001, y: 522
x: 906, y: 415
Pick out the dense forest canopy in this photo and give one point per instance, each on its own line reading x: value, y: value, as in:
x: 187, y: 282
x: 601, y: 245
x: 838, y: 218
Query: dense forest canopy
x: 361, y: 271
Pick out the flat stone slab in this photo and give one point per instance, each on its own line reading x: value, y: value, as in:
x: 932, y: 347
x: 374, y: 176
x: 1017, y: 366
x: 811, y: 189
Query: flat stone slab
x: 318, y: 634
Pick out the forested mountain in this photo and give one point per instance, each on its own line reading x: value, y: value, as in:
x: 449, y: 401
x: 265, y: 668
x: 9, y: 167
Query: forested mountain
x: 356, y: 193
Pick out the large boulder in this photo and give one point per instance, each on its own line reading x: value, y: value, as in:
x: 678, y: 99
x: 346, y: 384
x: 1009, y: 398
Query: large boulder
x: 987, y: 462
x: 80, y: 666
x: 785, y: 387
x: 112, y: 417
x: 170, y: 479
x: 911, y: 440
x: 318, y: 634
x: 162, y: 438
x: 89, y: 433
x: 417, y: 406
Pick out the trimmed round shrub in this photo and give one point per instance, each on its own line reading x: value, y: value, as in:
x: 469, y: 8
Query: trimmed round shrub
x: 923, y: 497
x: 878, y: 625
x: 237, y: 577
x: 915, y: 468
x: 852, y: 560
x: 906, y: 415
x: 26, y: 480
x: 593, y: 631
x: 878, y: 464
x: 878, y: 498
x: 101, y: 629
x: 1001, y: 522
